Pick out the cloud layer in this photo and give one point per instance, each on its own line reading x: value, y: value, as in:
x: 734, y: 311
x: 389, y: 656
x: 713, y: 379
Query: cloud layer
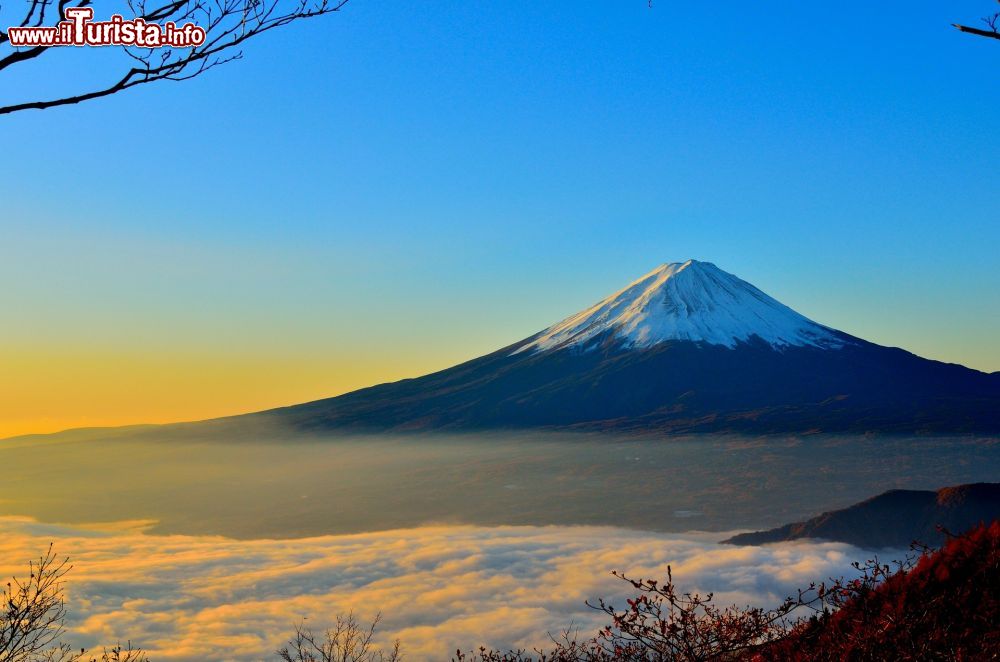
x: 186, y: 598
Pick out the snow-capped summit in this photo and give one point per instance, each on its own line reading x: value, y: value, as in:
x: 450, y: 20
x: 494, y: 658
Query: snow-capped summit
x: 694, y: 301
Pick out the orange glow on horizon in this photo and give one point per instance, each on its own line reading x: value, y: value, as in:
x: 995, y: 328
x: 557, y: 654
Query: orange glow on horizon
x: 43, y: 391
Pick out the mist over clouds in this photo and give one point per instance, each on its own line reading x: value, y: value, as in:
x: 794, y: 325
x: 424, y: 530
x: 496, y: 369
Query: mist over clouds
x: 193, y: 598
x: 271, y: 484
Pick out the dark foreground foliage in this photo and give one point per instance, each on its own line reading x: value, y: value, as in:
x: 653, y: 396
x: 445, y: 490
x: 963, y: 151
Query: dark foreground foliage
x: 33, y: 617
x: 947, y: 607
x: 347, y: 641
x: 940, y: 605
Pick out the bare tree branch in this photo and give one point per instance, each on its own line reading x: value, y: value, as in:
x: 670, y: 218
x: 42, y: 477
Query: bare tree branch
x: 976, y: 31
x: 33, y: 610
x: 227, y: 24
x: 347, y: 641
x: 33, y: 617
x: 992, y: 23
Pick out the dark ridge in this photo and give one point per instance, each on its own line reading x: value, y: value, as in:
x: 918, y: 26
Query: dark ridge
x: 893, y: 519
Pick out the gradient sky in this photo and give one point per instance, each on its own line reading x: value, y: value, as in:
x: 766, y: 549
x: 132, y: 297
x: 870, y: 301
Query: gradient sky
x: 403, y: 186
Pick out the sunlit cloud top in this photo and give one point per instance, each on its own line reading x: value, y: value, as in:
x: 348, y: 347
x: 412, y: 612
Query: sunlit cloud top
x: 188, y: 598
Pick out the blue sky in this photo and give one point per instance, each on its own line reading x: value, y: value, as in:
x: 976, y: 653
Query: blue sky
x: 407, y: 186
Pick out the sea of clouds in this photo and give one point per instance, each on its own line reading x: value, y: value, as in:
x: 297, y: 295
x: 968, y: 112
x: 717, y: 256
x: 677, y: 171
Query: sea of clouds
x: 439, y: 588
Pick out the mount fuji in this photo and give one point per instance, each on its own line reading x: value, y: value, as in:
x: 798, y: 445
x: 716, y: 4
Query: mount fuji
x: 686, y: 348
x: 693, y: 301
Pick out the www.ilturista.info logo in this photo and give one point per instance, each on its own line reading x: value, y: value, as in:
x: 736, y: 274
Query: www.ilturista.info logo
x: 79, y: 30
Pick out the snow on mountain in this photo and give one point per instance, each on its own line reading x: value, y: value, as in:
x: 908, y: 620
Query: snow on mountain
x: 690, y: 300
